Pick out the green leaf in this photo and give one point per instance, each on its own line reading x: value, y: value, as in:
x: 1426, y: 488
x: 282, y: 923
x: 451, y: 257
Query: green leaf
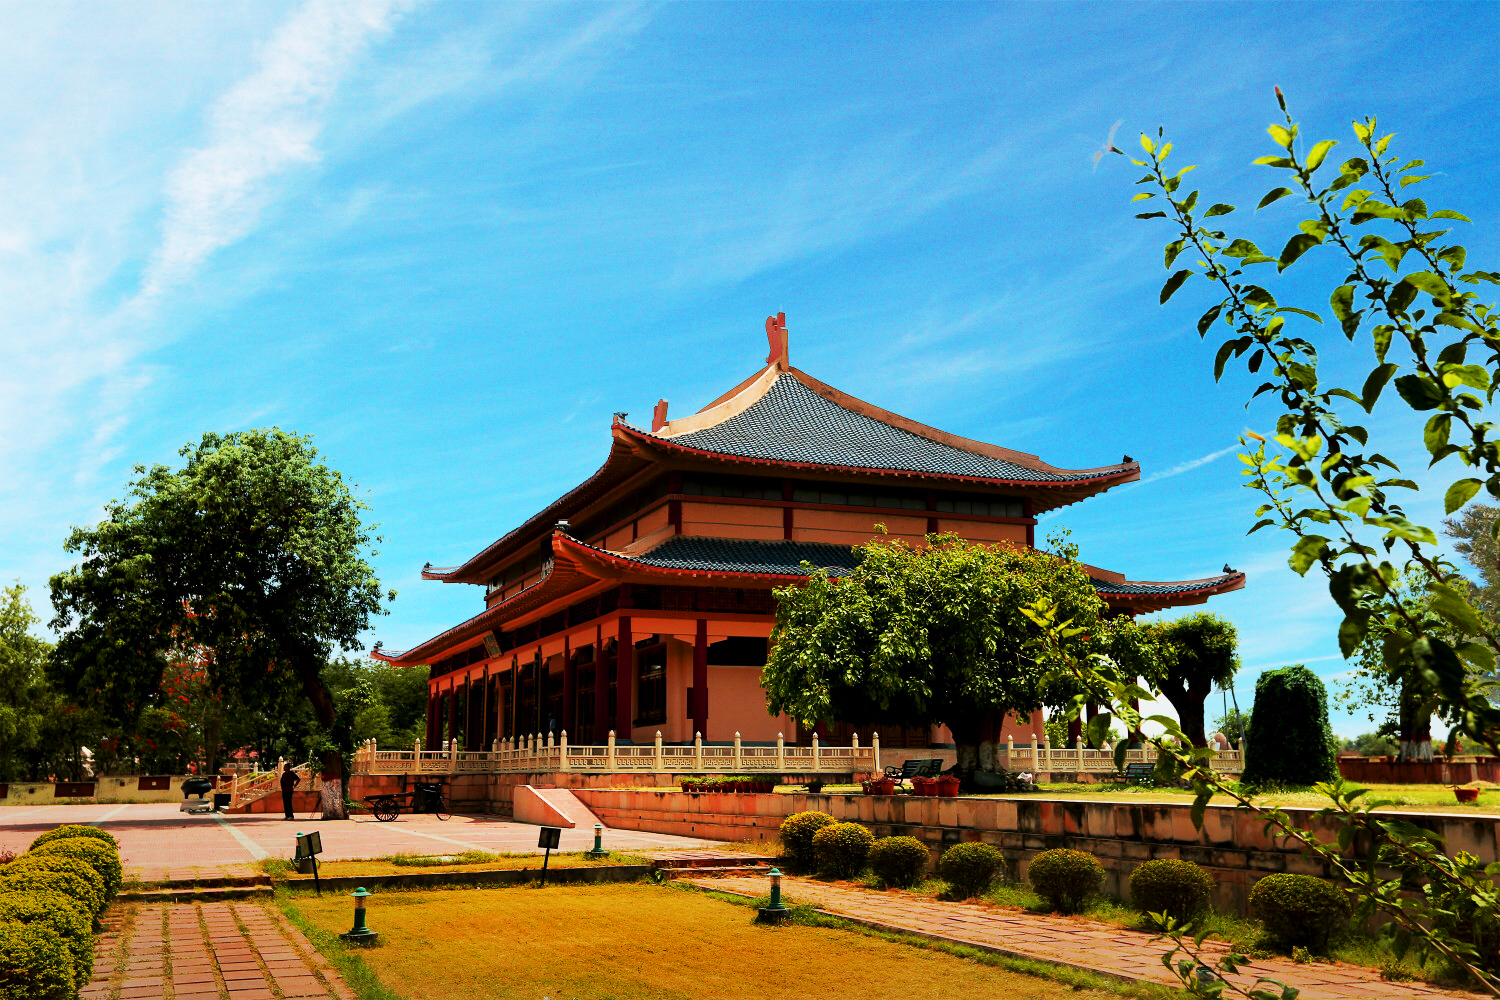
x: 1474, y: 376
x: 1454, y: 257
x: 1225, y: 350
x: 1272, y: 161
x: 1296, y: 247
x: 1460, y: 493
x: 1375, y: 384
x: 1429, y: 283
x: 1173, y: 249
x: 1152, y: 215
x: 1173, y: 283
x: 1413, y: 179
x: 1219, y: 209
x: 1301, y: 312
x: 1147, y: 144
x: 1400, y: 297
x: 1319, y: 153
x: 1281, y: 135
x: 1142, y: 196
x: 1121, y: 749
x: 1400, y: 527
x: 1382, y: 339
x: 1207, y: 319
x: 1308, y: 550
x: 1274, y: 195
x: 1435, y: 435
x: 1444, y: 213
x: 1452, y: 605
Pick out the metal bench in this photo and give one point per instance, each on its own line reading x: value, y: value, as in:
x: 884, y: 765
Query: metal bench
x: 918, y: 767
x: 1135, y: 772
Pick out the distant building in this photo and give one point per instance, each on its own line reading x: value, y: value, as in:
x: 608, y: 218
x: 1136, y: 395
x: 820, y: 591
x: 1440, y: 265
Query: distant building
x: 641, y: 601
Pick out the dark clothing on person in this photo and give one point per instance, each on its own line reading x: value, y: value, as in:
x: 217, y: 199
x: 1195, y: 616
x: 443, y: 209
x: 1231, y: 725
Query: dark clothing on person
x: 289, y: 781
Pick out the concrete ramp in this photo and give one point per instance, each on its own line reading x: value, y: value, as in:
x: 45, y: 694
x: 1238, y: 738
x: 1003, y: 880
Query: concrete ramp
x: 551, y: 807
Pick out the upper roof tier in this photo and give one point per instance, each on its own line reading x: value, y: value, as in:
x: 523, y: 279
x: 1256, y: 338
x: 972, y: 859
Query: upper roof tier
x: 782, y: 421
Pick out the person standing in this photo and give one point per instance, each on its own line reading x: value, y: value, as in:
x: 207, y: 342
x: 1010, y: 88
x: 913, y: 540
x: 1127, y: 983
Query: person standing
x: 290, y: 779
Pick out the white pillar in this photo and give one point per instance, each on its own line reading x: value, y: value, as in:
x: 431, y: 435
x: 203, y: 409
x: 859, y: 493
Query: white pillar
x: 562, y: 751
x: 1010, y: 752
x: 697, y: 751
x: 610, y: 750
x: 875, y: 745
x: 656, y: 754
x: 815, y: 765
x: 736, y: 751
x: 780, y: 753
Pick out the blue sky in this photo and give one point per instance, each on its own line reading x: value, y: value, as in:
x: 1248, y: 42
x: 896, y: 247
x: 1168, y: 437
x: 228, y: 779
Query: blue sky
x: 449, y: 240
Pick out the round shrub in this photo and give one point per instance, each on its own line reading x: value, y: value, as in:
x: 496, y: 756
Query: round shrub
x: 797, y: 832
x: 1301, y: 749
x: 1180, y: 889
x: 95, y: 853
x: 1299, y: 910
x: 76, y: 830
x: 840, y: 849
x: 34, y: 963
x: 1065, y: 878
x: 898, y: 861
x: 55, y: 873
x: 969, y: 869
x: 59, y: 915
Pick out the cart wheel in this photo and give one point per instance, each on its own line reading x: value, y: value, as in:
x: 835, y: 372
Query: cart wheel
x: 386, y: 810
x: 440, y: 807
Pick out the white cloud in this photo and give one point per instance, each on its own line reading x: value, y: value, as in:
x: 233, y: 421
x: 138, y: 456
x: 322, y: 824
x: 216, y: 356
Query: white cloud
x: 266, y: 124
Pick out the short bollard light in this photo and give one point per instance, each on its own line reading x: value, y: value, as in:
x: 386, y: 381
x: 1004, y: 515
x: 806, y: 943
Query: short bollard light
x: 777, y: 911
x: 598, y: 851
x: 359, y: 933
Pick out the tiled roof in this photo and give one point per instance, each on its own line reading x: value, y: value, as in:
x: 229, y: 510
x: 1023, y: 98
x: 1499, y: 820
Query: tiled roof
x: 739, y: 555
x: 792, y: 423
x: 1175, y: 587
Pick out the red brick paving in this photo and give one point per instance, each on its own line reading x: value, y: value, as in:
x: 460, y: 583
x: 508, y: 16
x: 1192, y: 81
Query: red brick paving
x: 208, y: 951
x: 157, y: 842
x: 1079, y: 943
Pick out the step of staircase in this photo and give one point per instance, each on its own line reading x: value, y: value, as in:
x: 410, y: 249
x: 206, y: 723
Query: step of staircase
x: 196, y: 894
x: 705, y: 861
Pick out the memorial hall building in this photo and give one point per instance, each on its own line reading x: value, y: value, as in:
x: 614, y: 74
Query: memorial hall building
x: 641, y: 601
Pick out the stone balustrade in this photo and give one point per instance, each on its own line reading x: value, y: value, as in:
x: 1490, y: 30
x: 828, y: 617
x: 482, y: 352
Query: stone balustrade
x: 1046, y: 759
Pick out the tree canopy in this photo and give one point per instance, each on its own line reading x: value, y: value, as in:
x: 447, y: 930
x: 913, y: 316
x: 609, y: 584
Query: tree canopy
x: 922, y: 636
x: 253, y: 553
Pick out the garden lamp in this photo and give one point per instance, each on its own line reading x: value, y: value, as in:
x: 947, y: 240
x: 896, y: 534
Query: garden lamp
x: 359, y: 933
x: 598, y: 851
x: 777, y: 911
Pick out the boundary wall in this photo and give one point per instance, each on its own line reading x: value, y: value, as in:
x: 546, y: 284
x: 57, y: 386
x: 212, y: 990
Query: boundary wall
x: 104, y: 788
x: 1388, y: 771
x: 1232, y: 845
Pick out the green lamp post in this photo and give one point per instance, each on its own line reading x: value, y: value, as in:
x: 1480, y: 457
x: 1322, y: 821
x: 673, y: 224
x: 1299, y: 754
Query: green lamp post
x: 598, y: 851
x: 360, y: 934
x: 777, y: 911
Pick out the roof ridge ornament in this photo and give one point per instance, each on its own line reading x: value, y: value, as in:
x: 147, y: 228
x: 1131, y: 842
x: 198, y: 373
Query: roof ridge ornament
x: 659, y: 416
x: 776, y: 338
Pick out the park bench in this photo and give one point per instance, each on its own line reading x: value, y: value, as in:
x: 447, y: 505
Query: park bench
x: 1134, y: 772
x: 918, y: 767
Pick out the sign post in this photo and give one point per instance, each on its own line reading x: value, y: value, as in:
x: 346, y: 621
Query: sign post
x: 309, y: 846
x: 550, y: 837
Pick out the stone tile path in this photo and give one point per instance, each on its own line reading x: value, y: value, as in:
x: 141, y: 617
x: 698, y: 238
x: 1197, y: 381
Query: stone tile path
x: 1084, y: 944
x: 208, y: 951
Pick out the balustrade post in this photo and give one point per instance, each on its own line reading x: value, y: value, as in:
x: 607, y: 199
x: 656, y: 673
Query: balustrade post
x: 416, y: 749
x: 610, y: 750
x: 562, y: 751
x: 1010, y: 751
x: 737, y: 751
x: 780, y: 753
x: 1046, y: 757
x: 697, y: 751
x: 453, y: 757
x: 875, y: 748
x: 815, y: 766
x: 656, y: 754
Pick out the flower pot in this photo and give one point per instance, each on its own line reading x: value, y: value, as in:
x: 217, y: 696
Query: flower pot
x: 883, y: 786
x: 924, y: 786
x: 1466, y: 794
x: 947, y: 786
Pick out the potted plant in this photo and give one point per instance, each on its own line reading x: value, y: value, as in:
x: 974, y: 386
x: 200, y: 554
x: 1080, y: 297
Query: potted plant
x: 924, y: 786
x: 1466, y: 794
x: 947, y: 785
x: 884, y: 786
x: 815, y: 786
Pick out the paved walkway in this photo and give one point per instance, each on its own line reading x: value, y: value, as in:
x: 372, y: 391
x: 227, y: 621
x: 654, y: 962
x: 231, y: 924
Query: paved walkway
x: 1079, y: 943
x: 211, y: 951
x: 159, y: 842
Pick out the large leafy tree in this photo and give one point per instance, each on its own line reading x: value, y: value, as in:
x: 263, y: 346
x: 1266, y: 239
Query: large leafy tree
x: 1200, y: 653
x: 26, y: 699
x: 254, y: 552
x: 922, y: 636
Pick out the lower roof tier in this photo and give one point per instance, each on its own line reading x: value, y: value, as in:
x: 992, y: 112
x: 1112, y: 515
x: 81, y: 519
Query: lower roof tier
x: 686, y: 562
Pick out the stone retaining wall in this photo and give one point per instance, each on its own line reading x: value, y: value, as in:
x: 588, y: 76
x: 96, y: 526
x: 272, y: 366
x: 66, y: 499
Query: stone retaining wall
x: 1232, y: 845
x: 1382, y: 771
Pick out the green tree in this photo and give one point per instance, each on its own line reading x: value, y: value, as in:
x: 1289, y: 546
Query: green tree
x: 253, y: 551
x: 1301, y: 750
x: 1473, y: 532
x: 1200, y: 653
x: 26, y: 699
x: 922, y: 636
x: 1371, y: 745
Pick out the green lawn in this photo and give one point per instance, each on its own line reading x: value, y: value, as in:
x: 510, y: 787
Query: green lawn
x: 466, y: 861
x: 640, y: 942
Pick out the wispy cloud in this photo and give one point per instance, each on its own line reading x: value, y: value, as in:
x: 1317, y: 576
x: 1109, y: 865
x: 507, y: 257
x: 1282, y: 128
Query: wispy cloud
x: 267, y: 123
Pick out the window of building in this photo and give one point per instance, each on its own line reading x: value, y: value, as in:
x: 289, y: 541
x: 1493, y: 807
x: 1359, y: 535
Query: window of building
x: 738, y: 651
x: 651, y: 685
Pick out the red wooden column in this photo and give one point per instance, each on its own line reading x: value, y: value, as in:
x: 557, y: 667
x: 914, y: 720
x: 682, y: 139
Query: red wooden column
x: 452, y: 709
x: 434, y: 700
x: 569, y: 720
x: 700, y: 679
x: 539, y: 671
x: 601, y: 688
x: 625, y: 674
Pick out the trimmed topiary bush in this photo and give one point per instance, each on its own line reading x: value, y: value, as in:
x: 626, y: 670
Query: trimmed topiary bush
x: 1065, y: 878
x: 62, y: 917
x: 797, y: 832
x: 1301, y: 749
x: 55, y: 873
x: 970, y: 869
x: 1299, y: 910
x: 841, y: 849
x: 898, y: 861
x: 91, y: 851
x: 76, y: 830
x: 34, y: 963
x: 1180, y: 889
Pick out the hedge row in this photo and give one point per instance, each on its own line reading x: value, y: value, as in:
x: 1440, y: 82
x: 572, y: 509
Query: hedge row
x: 50, y: 898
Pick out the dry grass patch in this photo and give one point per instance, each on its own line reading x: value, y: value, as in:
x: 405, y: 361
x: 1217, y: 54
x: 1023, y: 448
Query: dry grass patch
x: 634, y: 942
x: 469, y: 861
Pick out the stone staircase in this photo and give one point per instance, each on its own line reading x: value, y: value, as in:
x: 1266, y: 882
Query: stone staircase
x: 700, y: 864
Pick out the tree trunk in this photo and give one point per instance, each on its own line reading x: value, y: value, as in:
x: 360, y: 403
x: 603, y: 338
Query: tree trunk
x: 1416, y: 728
x: 333, y: 760
x: 1188, y: 698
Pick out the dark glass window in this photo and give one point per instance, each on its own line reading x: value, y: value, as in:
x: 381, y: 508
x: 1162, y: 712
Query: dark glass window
x: 738, y: 651
x: 651, y: 685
